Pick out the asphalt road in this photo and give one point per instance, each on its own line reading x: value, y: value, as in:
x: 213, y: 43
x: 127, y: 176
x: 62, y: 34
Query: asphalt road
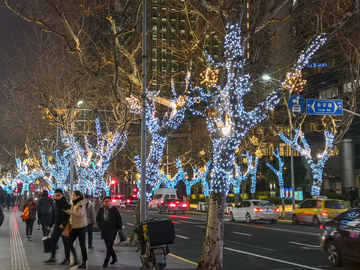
x: 248, y: 246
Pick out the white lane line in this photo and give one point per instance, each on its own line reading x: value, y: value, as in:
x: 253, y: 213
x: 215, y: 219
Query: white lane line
x: 301, y: 244
x: 183, y: 237
x: 246, y: 245
x: 272, y: 259
x: 200, y: 226
x: 190, y: 222
x: 177, y: 229
x: 246, y: 234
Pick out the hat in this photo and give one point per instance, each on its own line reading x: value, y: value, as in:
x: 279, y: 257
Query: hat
x: 59, y: 190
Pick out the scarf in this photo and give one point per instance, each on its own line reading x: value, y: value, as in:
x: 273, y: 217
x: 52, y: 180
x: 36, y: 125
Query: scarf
x: 106, y: 213
x: 76, y: 201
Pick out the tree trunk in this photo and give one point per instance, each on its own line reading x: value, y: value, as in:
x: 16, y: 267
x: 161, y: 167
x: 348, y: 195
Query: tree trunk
x: 96, y: 204
x: 134, y: 238
x: 212, y: 251
x: 283, y: 216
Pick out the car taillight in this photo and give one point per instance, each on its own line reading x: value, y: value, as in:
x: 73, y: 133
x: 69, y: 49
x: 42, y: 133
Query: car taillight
x: 114, y: 200
x: 324, y: 213
x: 322, y: 227
x: 184, y: 205
x: 172, y: 205
x: 128, y: 201
x: 161, y: 202
x: 258, y: 209
x: 276, y: 210
x: 134, y: 196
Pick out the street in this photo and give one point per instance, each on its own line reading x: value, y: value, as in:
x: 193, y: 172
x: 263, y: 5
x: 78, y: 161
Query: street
x: 247, y: 246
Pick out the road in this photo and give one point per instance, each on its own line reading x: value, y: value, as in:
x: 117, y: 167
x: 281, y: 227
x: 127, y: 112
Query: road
x: 247, y: 246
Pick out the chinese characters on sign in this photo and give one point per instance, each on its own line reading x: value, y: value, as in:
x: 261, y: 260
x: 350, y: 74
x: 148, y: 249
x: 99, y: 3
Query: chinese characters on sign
x: 324, y: 107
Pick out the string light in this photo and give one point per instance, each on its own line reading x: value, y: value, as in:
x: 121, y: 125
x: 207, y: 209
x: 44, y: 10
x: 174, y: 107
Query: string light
x: 316, y: 166
x: 279, y: 172
x: 210, y: 77
x: 26, y: 177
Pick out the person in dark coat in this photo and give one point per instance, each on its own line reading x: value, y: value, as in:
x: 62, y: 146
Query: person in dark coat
x: 352, y: 196
x: 109, y: 221
x: 32, y: 217
x: 59, y: 219
x: 8, y: 201
x: 2, y: 217
x: 45, y: 205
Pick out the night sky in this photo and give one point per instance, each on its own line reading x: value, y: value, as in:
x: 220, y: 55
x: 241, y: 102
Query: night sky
x: 12, y: 37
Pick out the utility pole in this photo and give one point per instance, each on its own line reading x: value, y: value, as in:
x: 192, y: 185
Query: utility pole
x: 143, y: 198
x: 72, y: 171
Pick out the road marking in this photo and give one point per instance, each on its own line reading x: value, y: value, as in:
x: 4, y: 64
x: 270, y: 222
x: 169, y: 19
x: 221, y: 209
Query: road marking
x: 18, y: 257
x: 190, y: 222
x: 185, y: 260
x: 246, y: 234
x: 177, y: 229
x: 200, y: 226
x: 175, y: 222
x: 242, y: 244
x: 184, y: 237
x: 272, y: 259
x: 301, y: 244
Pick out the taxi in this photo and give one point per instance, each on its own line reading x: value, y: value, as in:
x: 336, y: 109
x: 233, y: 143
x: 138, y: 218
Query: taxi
x: 318, y: 210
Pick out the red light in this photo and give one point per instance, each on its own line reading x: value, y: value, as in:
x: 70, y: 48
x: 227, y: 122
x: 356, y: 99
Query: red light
x: 258, y: 209
x: 135, y: 190
x: 113, y: 182
x: 128, y: 201
x: 277, y: 210
x: 134, y: 196
x: 322, y: 227
x: 18, y: 181
x: 172, y: 205
x: 162, y: 202
x: 177, y: 202
x: 184, y: 205
x: 114, y: 200
x: 16, y: 190
x: 324, y: 213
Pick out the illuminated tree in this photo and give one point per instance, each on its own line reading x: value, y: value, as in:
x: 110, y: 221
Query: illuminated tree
x: 25, y: 176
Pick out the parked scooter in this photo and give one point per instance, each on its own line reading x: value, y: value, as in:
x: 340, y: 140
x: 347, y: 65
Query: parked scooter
x: 154, y: 237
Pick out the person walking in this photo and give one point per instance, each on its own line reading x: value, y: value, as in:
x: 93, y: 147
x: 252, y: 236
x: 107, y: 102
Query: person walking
x: 78, y: 221
x: 91, y: 220
x: 2, y: 217
x: 8, y: 201
x: 59, y: 219
x: 352, y: 196
x: 45, y: 204
x: 109, y: 221
x: 32, y: 217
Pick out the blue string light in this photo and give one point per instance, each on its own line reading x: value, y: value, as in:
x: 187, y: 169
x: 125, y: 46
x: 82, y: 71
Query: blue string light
x: 26, y: 177
x: 279, y: 172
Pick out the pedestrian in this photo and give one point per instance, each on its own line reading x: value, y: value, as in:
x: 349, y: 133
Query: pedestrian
x: 78, y: 221
x: 8, y: 201
x: 352, y: 196
x: 2, y: 217
x: 32, y: 217
x: 45, y: 205
x: 91, y: 220
x: 2, y: 200
x: 109, y: 221
x: 59, y: 219
x: 13, y: 199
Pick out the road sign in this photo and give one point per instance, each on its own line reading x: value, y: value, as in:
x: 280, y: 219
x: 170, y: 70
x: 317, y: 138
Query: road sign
x: 324, y: 107
x: 296, y: 104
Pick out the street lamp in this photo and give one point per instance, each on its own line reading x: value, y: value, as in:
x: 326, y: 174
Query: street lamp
x: 266, y: 77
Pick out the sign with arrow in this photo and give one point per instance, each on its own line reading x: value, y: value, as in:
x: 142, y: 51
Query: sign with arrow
x: 324, y: 107
x: 296, y: 104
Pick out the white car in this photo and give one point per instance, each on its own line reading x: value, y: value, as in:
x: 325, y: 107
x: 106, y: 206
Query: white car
x: 116, y: 199
x: 252, y: 210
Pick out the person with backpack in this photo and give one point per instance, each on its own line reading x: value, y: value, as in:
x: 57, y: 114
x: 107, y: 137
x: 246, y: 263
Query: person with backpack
x: 91, y: 220
x: 31, y: 218
x: 45, y: 205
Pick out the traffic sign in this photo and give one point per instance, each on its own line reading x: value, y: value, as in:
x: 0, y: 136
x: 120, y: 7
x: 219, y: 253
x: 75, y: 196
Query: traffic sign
x: 296, y: 104
x: 324, y: 107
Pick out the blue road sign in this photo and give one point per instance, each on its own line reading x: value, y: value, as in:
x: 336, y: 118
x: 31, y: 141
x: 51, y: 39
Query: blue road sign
x: 324, y: 107
x: 296, y: 104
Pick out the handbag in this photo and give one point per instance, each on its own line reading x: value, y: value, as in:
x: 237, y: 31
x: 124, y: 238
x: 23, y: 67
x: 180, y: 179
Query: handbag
x: 25, y: 213
x: 120, y: 237
x: 47, y: 245
x: 67, y: 230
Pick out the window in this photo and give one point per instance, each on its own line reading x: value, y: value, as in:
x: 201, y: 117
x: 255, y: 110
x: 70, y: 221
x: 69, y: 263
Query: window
x: 309, y: 204
x: 335, y: 205
x: 351, y: 218
x: 172, y: 196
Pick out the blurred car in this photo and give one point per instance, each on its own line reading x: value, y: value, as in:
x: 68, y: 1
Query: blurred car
x: 115, y: 200
x: 172, y: 206
x: 340, y: 238
x: 129, y: 202
x: 252, y: 210
x: 318, y: 210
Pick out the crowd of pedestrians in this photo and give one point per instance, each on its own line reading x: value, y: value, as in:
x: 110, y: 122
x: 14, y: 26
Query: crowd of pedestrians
x: 71, y: 221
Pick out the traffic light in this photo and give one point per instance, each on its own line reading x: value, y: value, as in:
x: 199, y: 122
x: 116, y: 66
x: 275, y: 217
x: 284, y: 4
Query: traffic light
x: 135, y: 190
x: 113, y: 182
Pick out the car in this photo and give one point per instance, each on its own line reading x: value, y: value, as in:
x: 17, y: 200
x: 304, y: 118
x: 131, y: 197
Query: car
x: 318, y: 210
x: 172, y: 206
x: 296, y: 109
x: 340, y: 238
x: 253, y: 210
x: 129, y: 202
x: 160, y: 195
x: 115, y: 200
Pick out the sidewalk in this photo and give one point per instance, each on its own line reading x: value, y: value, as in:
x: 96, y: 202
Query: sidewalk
x: 16, y: 253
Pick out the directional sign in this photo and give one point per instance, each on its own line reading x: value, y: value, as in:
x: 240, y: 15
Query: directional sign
x: 296, y: 104
x: 324, y: 107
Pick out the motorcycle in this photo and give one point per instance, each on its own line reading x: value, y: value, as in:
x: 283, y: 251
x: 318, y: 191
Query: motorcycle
x: 154, y: 237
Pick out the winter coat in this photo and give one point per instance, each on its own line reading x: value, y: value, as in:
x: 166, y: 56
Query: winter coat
x: 8, y: 200
x: 110, y: 227
x: 78, y: 216
x: 58, y: 216
x: 2, y: 217
x: 90, y: 212
x: 45, y: 206
x: 32, y: 209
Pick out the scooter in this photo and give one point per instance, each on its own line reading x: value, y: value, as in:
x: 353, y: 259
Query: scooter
x: 154, y: 257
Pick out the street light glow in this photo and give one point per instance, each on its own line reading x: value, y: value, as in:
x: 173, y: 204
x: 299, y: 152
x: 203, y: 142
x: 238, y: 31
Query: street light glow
x: 266, y: 77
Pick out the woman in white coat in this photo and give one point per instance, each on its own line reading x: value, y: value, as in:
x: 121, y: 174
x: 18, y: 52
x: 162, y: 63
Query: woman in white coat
x: 78, y: 221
